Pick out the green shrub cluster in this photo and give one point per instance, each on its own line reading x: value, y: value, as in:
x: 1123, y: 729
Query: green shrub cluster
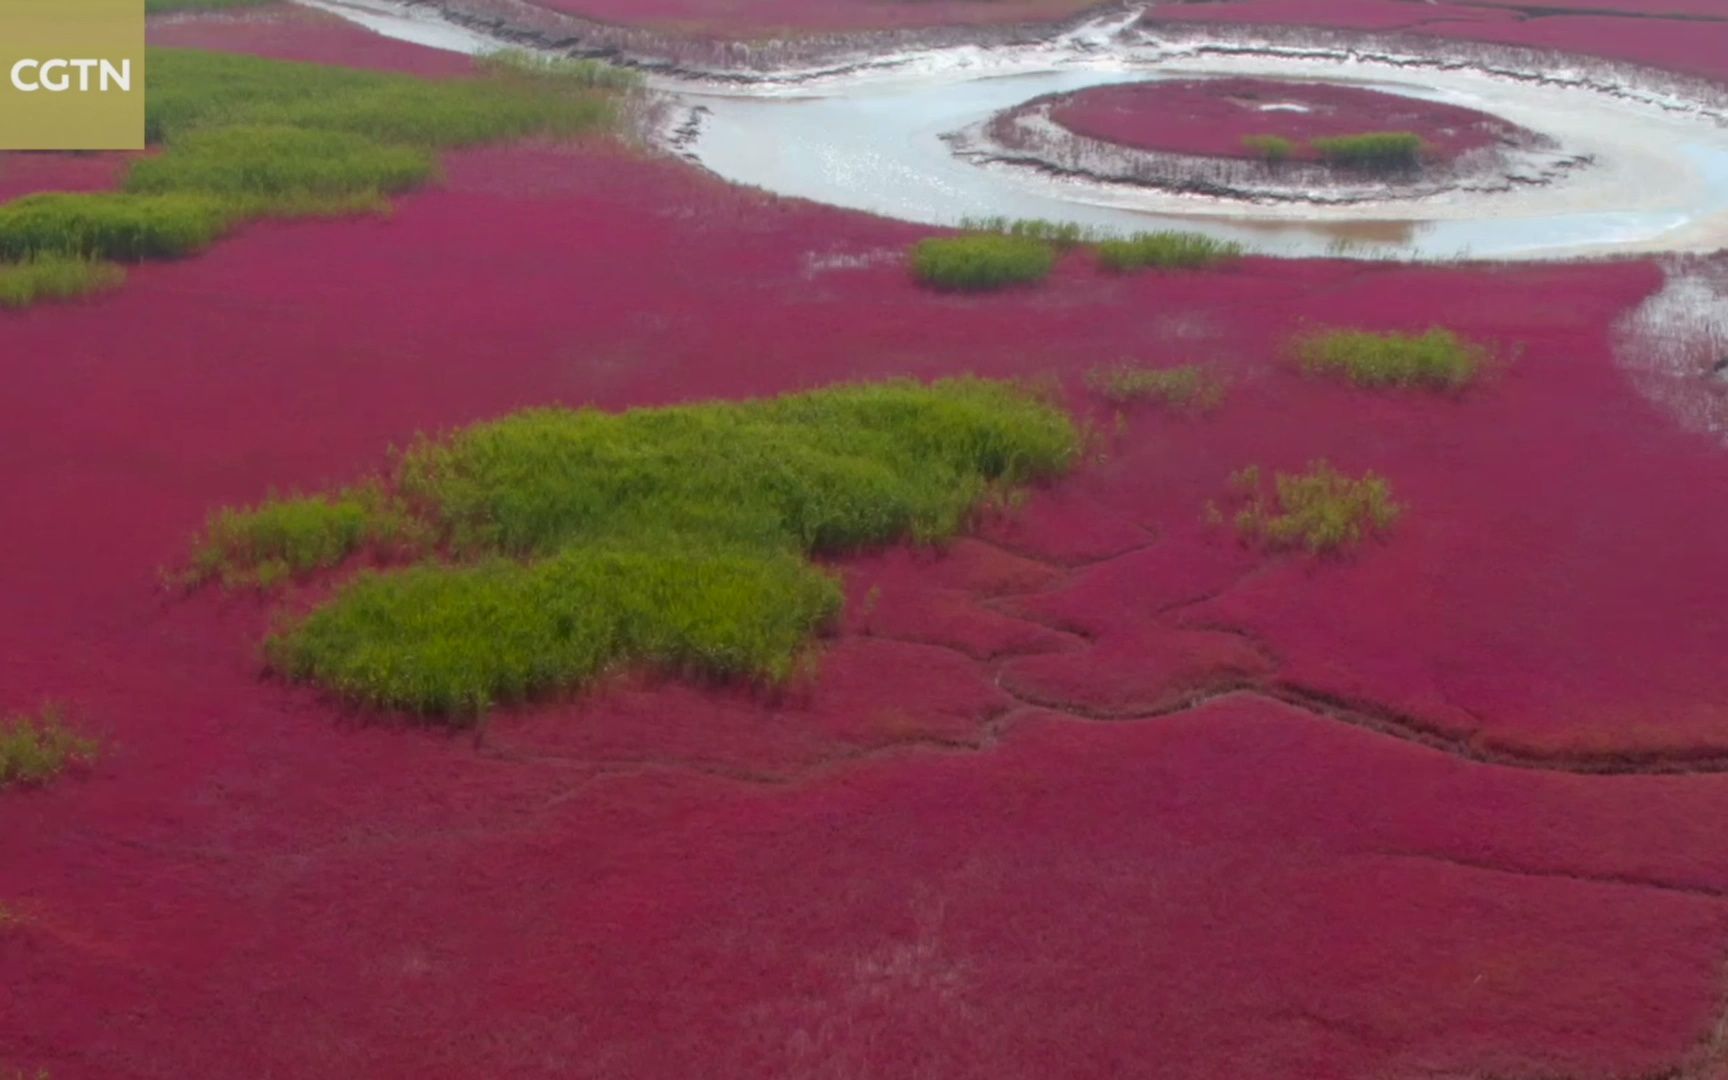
x: 36, y: 748
x: 1183, y: 387
x: 265, y: 164
x: 190, y: 89
x: 981, y: 261
x: 110, y: 226
x: 245, y: 136
x: 456, y: 641
x: 676, y: 538
x: 1373, y: 150
x: 1438, y: 358
x: 1170, y: 250
x: 1062, y: 234
x: 1272, y: 149
x: 55, y: 277
x: 1319, y: 509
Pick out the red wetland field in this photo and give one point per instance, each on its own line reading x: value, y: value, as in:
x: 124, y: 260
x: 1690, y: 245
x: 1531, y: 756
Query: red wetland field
x: 1098, y: 790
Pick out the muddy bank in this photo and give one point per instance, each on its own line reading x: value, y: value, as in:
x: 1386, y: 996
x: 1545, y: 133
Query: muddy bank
x: 711, y: 57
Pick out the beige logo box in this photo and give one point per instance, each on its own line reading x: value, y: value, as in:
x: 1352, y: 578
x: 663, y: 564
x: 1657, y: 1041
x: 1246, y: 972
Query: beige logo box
x: 71, y: 74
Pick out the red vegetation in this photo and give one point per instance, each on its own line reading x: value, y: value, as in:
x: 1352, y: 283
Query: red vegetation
x: 287, y: 32
x: 1210, y: 117
x: 989, y: 839
x: 28, y: 173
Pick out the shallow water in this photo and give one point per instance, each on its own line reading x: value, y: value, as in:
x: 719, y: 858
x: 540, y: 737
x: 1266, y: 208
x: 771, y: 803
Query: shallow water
x: 871, y: 140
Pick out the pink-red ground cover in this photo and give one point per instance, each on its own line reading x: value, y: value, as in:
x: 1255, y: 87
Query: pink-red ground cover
x: 1211, y: 117
x: 29, y: 173
x: 287, y: 32
x: 1099, y: 793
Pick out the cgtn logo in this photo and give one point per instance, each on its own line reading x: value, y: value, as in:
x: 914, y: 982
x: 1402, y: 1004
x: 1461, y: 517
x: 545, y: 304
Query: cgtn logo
x: 72, y: 76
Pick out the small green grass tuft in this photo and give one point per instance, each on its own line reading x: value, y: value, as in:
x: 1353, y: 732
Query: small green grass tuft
x: 1438, y: 358
x: 675, y: 538
x: 1183, y: 387
x: 281, y: 539
x: 981, y: 261
x: 1372, y: 151
x: 36, y: 748
x: 1170, y: 250
x: 1272, y: 149
x: 1320, y: 509
x: 55, y: 277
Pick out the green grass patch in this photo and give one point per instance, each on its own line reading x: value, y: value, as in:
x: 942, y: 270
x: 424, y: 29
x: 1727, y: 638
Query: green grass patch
x: 267, y: 165
x: 110, y: 226
x: 1438, y: 358
x: 577, y: 541
x: 1062, y: 234
x: 189, y: 89
x: 55, y: 277
x: 245, y: 137
x: 980, y: 262
x: 456, y: 641
x: 35, y: 748
x: 1372, y: 150
x: 592, y: 74
x: 828, y: 471
x: 1188, y: 386
x: 450, y: 112
x: 1170, y: 250
x: 1319, y: 509
x: 1272, y: 149
x: 281, y: 539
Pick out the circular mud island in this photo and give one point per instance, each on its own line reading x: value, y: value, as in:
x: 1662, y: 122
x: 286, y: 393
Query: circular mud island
x: 1235, y: 118
x: 1268, y: 141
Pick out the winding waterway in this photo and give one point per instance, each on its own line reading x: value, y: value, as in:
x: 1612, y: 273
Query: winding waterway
x: 870, y: 137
